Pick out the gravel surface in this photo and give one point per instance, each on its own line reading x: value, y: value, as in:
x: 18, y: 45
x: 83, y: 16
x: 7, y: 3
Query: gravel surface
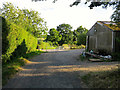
x: 55, y: 69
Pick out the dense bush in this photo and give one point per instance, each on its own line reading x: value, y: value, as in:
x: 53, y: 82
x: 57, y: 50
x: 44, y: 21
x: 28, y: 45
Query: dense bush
x: 81, y: 46
x: 20, y: 28
x: 45, y: 45
x: 66, y: 46
x: 81, y: 39
x: 77, y: 47
x: 116, y: 56
x: 16, y: 41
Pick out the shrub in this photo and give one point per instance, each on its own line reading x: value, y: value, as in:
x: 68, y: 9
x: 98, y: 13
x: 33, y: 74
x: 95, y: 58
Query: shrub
x: 45, y: 45
x: 73, y: 46
x: 82, y: 46
x: 77, y: 47
x: 66, y: 46
x: 116, y: 56
x: 18, y: 40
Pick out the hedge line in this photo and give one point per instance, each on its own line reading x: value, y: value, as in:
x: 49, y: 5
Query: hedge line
x: 16, y: 41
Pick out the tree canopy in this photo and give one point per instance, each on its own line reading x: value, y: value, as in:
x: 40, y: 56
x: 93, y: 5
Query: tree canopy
x: 80, y: 35
x: 54, y: 36
x: 116, y: 15
x: 64, y: 35
x: 96, y: 3
x: 67, y: 34
x: 29, y: 20
x: 116, y: 5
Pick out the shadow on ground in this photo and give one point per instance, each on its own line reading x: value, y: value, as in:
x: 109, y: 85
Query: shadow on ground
x: 56, y: 70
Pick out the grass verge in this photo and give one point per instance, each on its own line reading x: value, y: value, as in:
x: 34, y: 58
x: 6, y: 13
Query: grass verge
x: 11, y: 68
x: 106, y: 79
x: 34, y: 53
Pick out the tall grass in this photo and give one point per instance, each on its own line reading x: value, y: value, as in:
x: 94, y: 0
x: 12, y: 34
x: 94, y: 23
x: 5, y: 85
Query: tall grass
x: 106, y: 79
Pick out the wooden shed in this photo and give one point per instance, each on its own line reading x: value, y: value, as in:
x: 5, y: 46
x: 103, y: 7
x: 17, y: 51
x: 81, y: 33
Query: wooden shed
x: 103, y: 36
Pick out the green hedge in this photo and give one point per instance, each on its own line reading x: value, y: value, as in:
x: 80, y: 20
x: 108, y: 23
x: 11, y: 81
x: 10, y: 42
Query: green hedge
x: 16, y: 41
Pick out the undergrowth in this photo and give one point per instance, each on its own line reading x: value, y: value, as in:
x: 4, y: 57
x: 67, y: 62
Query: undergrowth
x: 9, y: 69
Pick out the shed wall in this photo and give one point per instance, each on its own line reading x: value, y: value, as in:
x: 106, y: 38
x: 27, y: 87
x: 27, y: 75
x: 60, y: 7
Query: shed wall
x: 101, y: 39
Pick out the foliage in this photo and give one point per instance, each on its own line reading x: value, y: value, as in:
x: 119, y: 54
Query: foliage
x: 67, y: 34
x: 18, y: 40
x: 44, y: 36
x: 54, y: 36
x: 77, y: 47
x: 73, y: 46
x: 80, y: 29
x: 64, y: 35
x: 29, y: 20
x: 33, y: 53
x: 5, y: 31
x: 11, y: 68
x: 80, y: 35
x: 82, y: 46
x: 116, y: 56
x: 66, y: 46
x: 43, y: 45
x: 20, y: 29
x: 81, y: 39
x: 92, y: 3
x: 46, y: 45
x: 116, y: 5
x: 116, y: 15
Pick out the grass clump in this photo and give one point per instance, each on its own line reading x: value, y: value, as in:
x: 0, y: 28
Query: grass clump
x: 10, y: 68
x: 106, y: 79
x: 33, y: 53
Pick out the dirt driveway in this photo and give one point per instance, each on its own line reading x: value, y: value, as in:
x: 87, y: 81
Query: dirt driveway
x: 56, y: 69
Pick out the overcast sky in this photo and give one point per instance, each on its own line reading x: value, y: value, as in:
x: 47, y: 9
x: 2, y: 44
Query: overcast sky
x: 60, y: 12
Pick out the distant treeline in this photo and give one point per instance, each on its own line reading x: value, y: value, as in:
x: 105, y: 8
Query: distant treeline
x: 63, y: 34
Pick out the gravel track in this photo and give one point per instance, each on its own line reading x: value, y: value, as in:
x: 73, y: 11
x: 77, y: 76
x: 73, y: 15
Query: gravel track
x: 55, y: 69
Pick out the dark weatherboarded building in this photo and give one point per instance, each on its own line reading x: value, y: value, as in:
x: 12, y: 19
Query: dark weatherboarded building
x: 103, y: 36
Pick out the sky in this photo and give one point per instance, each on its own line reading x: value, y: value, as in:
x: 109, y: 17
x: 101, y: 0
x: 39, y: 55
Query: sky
x: 60, y: 12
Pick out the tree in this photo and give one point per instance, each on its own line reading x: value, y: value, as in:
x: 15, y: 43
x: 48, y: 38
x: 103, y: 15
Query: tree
x: 81, y: 39
x: 54, y: 36
x: 116, y: 15
x: 80, y: 32
x: 80, y: 29
x: 38, y: 24
x: 96, y: 3
x: 67, y: 34
x: 116, y: 5
x: 29, y: 20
